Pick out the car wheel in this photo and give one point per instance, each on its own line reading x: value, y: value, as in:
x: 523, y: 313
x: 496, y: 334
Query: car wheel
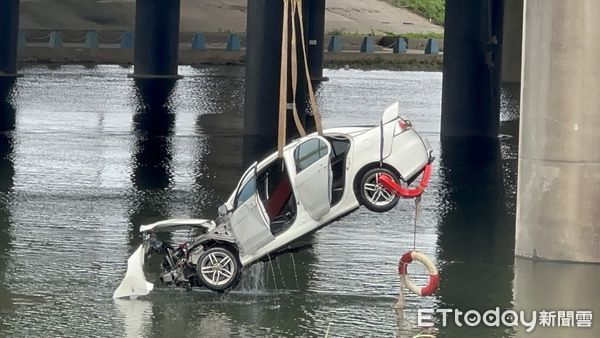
x: 218, y: 269
x: 373, y: 195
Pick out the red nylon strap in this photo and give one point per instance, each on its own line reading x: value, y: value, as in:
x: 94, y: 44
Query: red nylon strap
x: 388, y: 182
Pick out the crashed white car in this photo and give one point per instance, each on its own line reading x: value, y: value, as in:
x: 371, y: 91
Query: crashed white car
x: 279, y: 200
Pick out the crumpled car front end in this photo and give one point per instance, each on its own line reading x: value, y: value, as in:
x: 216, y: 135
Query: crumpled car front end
x: 178, y: 267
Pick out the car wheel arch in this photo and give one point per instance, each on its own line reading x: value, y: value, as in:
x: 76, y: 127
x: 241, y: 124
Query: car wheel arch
x: 211, y: 243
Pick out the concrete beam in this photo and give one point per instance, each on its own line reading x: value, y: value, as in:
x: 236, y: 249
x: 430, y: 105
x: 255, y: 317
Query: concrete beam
x: 558, y: 203
x: 472, y: 68
x: 156, y: 38
x: 9, y: 37
x: 513, y: 41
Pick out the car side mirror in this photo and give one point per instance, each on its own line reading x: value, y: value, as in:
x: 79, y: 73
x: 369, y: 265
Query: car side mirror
x: 223, y: 210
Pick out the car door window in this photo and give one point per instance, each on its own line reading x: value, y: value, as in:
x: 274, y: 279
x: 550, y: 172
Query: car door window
x: 308, y: 153
x: 246, y: 191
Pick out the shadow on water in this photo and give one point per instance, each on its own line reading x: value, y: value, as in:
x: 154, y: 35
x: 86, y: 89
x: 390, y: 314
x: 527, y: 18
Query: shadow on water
x: 153, y: 125
x: 7, y: 172
x: 218, y: 163
x: 476, y: 232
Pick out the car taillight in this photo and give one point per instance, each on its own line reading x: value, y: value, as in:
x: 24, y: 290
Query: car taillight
x: 402, y: 126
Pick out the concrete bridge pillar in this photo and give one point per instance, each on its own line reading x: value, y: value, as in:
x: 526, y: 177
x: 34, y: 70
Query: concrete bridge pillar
x: 472, y: 68
x: 156, y: 38
x: 558, y: 203
x: 9, y: 37
x: 513, y: 41
x: 263, y: 60
x: 316, y: 37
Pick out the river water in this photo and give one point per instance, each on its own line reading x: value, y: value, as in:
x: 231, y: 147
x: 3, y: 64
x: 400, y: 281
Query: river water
x: 88, y: 155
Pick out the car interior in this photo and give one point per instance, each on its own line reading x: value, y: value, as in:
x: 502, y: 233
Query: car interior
x: 275, y: 192
x: 275, y: 189
x: 339, y: 149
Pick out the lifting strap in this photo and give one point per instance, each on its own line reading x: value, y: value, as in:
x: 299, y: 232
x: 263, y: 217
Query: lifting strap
x: 282, y: 128
x: 299, y: 125
x: 296, y: 13
x: 311, y: 93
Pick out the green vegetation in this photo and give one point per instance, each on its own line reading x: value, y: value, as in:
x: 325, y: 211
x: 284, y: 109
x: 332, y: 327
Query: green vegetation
x: 423, y: 35
x: 430, y: 9
x: 420, y: 35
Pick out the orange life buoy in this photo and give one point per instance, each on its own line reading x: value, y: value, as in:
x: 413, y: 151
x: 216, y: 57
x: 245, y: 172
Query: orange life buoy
x: 434, y: 277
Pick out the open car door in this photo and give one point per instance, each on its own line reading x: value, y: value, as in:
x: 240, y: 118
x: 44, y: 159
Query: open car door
x: 249, y: 221
x: 312, y: 181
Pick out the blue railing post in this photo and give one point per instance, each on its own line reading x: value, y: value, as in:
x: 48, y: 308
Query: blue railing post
x: 335, y: 44
x: 91, y: 40
x: 22, y: 40
x: 400, y: 46
x: 233, y: 43
x: 367, y: 45
x: 127, y: 40
x: 432, y: 47
x: 56, y: 39
x: 198, y: 42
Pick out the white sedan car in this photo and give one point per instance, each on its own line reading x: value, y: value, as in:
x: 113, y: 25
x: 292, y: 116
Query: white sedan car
x: 279, y: 200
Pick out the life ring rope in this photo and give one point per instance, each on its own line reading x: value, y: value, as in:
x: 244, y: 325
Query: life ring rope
x: 434, y: 277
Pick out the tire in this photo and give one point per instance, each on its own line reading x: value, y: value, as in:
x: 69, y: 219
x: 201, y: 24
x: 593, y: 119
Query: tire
x: 374, y: 196
x: 218, y: 269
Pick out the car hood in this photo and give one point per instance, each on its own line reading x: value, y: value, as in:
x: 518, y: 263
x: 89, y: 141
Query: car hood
x: 178, y: 224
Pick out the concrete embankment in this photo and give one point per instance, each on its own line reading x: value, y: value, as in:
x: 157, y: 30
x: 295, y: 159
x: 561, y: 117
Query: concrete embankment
x: 37, y: 47
x: 45, y: 55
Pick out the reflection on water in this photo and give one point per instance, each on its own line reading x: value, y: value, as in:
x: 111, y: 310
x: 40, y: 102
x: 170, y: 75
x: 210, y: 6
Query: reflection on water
x: 549, y: 286
x: 87, y: 156
x: 153, y: 124
x: 7, y: 171
x: 476, y: 231
x: 136, y: 315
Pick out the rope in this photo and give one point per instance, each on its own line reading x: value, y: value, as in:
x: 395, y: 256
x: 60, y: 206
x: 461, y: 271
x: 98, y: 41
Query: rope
x: 417, y: 209
x: 297, y: 121
x: 311, y: 92
x: 293, y: 9
x: 281, y: 137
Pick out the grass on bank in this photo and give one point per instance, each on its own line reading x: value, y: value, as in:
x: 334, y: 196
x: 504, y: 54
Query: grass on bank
x: 414, y: 35
x: 430, y: 9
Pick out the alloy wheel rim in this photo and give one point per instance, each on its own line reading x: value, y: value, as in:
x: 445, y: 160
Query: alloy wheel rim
x: 375, y: 192
x: 217, y: 268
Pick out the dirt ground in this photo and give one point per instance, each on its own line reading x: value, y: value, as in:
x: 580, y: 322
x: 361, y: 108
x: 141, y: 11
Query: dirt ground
x: 350, y: 16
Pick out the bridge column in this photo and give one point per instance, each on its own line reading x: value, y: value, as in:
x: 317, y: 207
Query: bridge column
x: 316, y: 37
x: 558, y: 200
x: 472, y: 64
x: 9, y: 37
x: 156, y: 38
x: 513, y: 41
x: 263, y: 60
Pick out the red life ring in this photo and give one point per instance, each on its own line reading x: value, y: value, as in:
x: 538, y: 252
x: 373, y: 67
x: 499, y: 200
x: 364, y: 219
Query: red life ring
x: 434, y: 277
